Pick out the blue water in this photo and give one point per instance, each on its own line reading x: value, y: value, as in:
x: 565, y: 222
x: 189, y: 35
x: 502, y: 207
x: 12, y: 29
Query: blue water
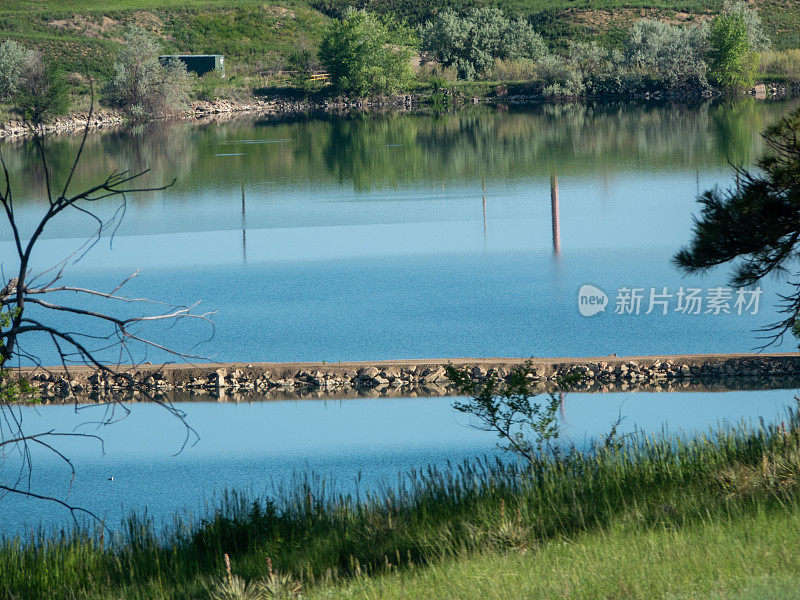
x: 257, y: 447
x: 350, y: 247
x: 378, y: 238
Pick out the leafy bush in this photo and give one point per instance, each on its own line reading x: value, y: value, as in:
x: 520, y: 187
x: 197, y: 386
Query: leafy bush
x: 670, y: 55
x: 474, y: 41
x: 359, y: 53
x: 757, y: 38
x: 736, y: 35
x: 559, y: 80
x: 41, y: 92
x: 12, y: 57
x: 142, y: 86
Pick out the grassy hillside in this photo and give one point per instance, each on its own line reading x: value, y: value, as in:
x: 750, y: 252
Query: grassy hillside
x: 258, y: 36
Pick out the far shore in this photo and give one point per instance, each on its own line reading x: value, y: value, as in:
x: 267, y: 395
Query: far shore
x: 107, y: 119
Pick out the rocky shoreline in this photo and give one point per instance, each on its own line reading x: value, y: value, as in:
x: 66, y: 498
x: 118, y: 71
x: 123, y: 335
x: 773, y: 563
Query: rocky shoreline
x: 205, y: 111
x: 264, y: 381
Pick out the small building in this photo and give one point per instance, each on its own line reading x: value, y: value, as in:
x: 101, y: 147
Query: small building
x: 199, y: 63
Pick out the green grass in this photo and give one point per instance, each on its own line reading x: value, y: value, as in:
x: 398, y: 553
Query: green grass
x: 478, y: 521
x: 751, y: 557
x: 258, y: 36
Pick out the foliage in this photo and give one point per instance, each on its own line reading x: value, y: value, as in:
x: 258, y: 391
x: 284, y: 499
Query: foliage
x: 142, y: 86
x: 255, y: 39
x: 522, y: 69
x: 755, y: 225
x: 670, y: 54
x: 508, y: 409
x: 734, y: 38
x: 12, y: 58
x: 274, y: 586
x: 474, y: 41
x: 587, y: 69
x: 12, y: 389
x: 757, y: 38
x: 780, y: 65
x: 359, y: 53
x: 41, y: 92
x: 559, y: 80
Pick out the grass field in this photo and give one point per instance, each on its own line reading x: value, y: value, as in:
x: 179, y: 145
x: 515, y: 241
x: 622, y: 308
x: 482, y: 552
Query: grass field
x: 751, y: 557
x: 708, y: 517
x: 259, y: 37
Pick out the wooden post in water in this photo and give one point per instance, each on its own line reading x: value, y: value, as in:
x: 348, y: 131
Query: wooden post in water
x: 244, y: 230
x: 483, y: 185
x: 554, y: 210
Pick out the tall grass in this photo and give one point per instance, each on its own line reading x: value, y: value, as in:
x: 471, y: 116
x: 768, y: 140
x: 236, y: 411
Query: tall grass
x: 432, y: 516
x: 780, y: 65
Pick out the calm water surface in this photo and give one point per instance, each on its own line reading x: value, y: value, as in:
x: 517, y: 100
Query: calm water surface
x: 371, y: 237
x: 258, y: 446
x: 381, y: 237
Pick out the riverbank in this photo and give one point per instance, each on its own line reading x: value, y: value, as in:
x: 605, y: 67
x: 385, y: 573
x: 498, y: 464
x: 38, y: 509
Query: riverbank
x: 399, y: 378
x: 635, y: 517
x: 105, y: 119
x: 295, y: 102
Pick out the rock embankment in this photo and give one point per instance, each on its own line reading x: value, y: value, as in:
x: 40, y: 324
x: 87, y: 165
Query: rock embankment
x: 108, y: 119
x: 412, y: 378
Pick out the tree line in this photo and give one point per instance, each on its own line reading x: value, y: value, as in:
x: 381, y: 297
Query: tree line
x: 366, y: 53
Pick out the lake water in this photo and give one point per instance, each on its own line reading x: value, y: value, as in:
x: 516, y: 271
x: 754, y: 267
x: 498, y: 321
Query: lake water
x: 367, y: 238
x: 401, y: 236
x: 258, y: 446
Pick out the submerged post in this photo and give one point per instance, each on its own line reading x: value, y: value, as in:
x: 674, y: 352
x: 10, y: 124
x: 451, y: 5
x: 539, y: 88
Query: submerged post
x: 244, y: 229
x: 555, y: 213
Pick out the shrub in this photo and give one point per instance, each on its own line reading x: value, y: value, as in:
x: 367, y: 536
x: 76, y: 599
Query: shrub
x: 669, y: 54
x: 602, y: 71
x: 141, y: 85
x: 359, y: 53
x: 559, y: 79
x: 757, y: 38
x: 41, y: 92
x: 735, y: 37
x: 474, y: 41
x: 12, y: 57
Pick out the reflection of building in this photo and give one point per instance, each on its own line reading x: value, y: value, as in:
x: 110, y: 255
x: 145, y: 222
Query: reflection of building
x: 555, y: 213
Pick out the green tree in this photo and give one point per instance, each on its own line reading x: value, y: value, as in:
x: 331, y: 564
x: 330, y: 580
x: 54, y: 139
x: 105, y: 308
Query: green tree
x: 735, y: 38
x: 509, y: 408
x: 362, y: 57
x: 755, y: 226
x: 142, y: 86
x: 41, y: 92
x: 670, y: 54
x: 12, y: 57
x: 474, y: 41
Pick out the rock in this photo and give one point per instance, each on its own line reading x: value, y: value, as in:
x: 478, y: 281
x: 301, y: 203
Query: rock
x: 367, y: 373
